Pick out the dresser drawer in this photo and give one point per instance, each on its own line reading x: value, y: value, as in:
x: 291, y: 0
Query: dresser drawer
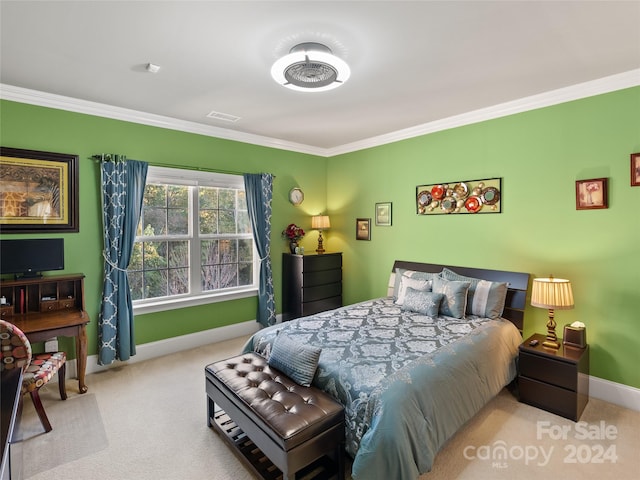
x: 322, y: 277
x: 314, y: 263
x: 548, y: 370
x: 312, y: 294
x: 323, y: 305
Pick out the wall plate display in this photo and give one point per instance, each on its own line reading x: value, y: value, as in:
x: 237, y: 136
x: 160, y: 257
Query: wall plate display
x: 296, y: 196
x: 591, y: 194
x: 467, y: 196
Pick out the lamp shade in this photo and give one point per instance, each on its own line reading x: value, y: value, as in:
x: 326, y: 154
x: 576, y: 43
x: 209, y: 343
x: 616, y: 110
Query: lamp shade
x: 552, y: 293
x: 320, y: 222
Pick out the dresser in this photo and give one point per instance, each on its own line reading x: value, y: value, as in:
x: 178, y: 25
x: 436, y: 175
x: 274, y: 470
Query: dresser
x: 310, y: 284
x: 554, y: 380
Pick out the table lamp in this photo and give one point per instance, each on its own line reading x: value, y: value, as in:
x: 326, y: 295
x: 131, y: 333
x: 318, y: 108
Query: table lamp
x: 320, y: 223
x: 554, y: 294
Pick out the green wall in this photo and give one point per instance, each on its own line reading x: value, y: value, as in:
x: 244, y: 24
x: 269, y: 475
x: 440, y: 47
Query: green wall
x: 538, y: 154
x: 38, y: 128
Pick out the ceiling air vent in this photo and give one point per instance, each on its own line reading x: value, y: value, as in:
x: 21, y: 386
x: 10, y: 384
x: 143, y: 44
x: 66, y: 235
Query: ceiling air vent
x: 225, y: 117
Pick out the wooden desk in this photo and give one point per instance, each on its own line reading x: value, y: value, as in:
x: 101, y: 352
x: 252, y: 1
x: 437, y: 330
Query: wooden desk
x: 47, y: 307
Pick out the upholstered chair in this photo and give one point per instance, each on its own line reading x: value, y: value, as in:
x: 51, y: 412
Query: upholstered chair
x: 37, y: 370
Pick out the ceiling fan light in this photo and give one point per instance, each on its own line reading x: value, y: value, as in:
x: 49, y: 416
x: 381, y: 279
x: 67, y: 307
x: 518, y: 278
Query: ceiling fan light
x: 310, y: 67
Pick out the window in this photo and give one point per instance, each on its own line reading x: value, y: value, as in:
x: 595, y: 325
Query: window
x: 194, y: 243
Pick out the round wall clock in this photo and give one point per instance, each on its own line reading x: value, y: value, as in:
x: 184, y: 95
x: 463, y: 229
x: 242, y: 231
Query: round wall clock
x: 296, y: 196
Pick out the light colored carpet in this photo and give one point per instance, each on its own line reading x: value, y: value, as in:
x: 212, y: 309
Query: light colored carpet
x: 148, y: 422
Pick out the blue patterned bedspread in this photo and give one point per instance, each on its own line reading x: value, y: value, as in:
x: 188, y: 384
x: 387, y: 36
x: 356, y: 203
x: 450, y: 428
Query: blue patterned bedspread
x: 408, y: 382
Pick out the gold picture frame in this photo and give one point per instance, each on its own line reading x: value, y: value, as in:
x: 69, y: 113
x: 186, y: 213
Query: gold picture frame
x: 38, y: 191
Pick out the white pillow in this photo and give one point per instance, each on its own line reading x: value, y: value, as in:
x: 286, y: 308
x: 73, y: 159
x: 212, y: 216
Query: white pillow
x: 418, y: 284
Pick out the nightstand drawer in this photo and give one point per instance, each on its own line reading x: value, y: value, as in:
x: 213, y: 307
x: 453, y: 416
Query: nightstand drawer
x: 549, y: 370
x: 553, y: 399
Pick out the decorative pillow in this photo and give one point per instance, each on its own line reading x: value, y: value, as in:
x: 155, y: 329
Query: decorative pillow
x: 425, y: 303
x: 296, y: 360
x: 485, y: 298
x: 402, y: 272
x: 454, y: 302
x: 414, y: 283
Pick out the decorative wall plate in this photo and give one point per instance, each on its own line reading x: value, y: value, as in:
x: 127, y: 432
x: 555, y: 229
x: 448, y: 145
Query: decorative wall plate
x: 466, y: 197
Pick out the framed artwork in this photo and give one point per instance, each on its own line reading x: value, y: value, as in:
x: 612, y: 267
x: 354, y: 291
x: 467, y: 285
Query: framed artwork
x: 383, y: 214
x: 635, y: 169
x: 591, y: 194
x: 38, y: 191
x: 363, y: 229
x: 460, y: 197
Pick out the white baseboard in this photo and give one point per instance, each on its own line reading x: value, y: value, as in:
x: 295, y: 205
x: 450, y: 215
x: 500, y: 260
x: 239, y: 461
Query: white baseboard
x: 147, y: 351
x: 612, y: 392
x: 616, y: 393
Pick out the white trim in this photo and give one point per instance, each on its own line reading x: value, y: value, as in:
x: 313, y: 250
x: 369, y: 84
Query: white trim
x: 168, y: 346
x: 616, y: 393
x: 554, y: 97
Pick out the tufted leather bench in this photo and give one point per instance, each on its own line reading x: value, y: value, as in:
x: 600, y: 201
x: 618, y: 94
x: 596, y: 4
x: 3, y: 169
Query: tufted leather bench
x: 292, y: 425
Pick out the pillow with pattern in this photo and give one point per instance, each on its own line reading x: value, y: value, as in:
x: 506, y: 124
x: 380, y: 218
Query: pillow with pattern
x: 413, y: 274
x: 296, y: 360
x: 485, y: 298
x: 454, y: 303
x: 425, y: 303
x: 414, y: 283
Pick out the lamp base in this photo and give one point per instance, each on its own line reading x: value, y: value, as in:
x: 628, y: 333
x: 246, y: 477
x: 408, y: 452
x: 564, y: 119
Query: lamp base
x: 552, y: 338
x: 320, y: 250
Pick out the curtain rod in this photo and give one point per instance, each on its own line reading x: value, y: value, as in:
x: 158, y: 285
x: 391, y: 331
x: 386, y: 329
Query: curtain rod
x: 101, y: 157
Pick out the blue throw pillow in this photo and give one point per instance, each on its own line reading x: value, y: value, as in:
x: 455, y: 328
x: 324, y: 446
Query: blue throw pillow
x: 296, y: 360
x: 485, y: 298
x: 454, y: 302
x: 414, y: 275
x: 425, y: 303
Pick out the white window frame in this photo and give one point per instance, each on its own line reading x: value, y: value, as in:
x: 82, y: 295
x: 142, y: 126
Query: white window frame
x: 196, y: 178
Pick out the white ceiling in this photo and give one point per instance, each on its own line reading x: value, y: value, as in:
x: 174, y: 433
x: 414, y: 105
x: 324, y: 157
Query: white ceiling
x: 413, y: 63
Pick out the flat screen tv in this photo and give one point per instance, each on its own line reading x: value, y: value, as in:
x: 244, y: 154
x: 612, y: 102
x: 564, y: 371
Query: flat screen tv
x: 29, y: 258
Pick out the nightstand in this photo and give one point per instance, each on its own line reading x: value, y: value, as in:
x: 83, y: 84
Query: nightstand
x: 554, y: 380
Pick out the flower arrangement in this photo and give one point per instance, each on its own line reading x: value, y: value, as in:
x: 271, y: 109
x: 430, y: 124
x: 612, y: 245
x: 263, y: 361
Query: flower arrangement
x: 293, y: 233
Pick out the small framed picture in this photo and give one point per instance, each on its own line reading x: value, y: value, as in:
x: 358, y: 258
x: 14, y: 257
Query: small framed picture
x: 363, y: 229
x: 383, y: 214
x: 591, y: 194
x: 635, y: 169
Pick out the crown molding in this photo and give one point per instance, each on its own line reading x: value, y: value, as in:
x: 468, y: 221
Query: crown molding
x: 554, y: 97
x: 60, y: 102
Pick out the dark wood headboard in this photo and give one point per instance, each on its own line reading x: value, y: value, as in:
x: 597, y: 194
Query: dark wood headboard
x: 516, y: 292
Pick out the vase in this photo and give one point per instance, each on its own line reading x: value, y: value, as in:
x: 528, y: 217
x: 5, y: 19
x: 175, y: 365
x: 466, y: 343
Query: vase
x: 293, y: 245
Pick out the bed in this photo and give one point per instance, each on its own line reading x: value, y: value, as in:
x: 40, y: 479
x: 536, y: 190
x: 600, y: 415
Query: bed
x: 412, y: 367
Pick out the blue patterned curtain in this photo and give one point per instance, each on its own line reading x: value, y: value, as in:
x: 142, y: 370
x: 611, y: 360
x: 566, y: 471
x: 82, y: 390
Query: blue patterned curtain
x: 259, y: 191
x: 123, y: 183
